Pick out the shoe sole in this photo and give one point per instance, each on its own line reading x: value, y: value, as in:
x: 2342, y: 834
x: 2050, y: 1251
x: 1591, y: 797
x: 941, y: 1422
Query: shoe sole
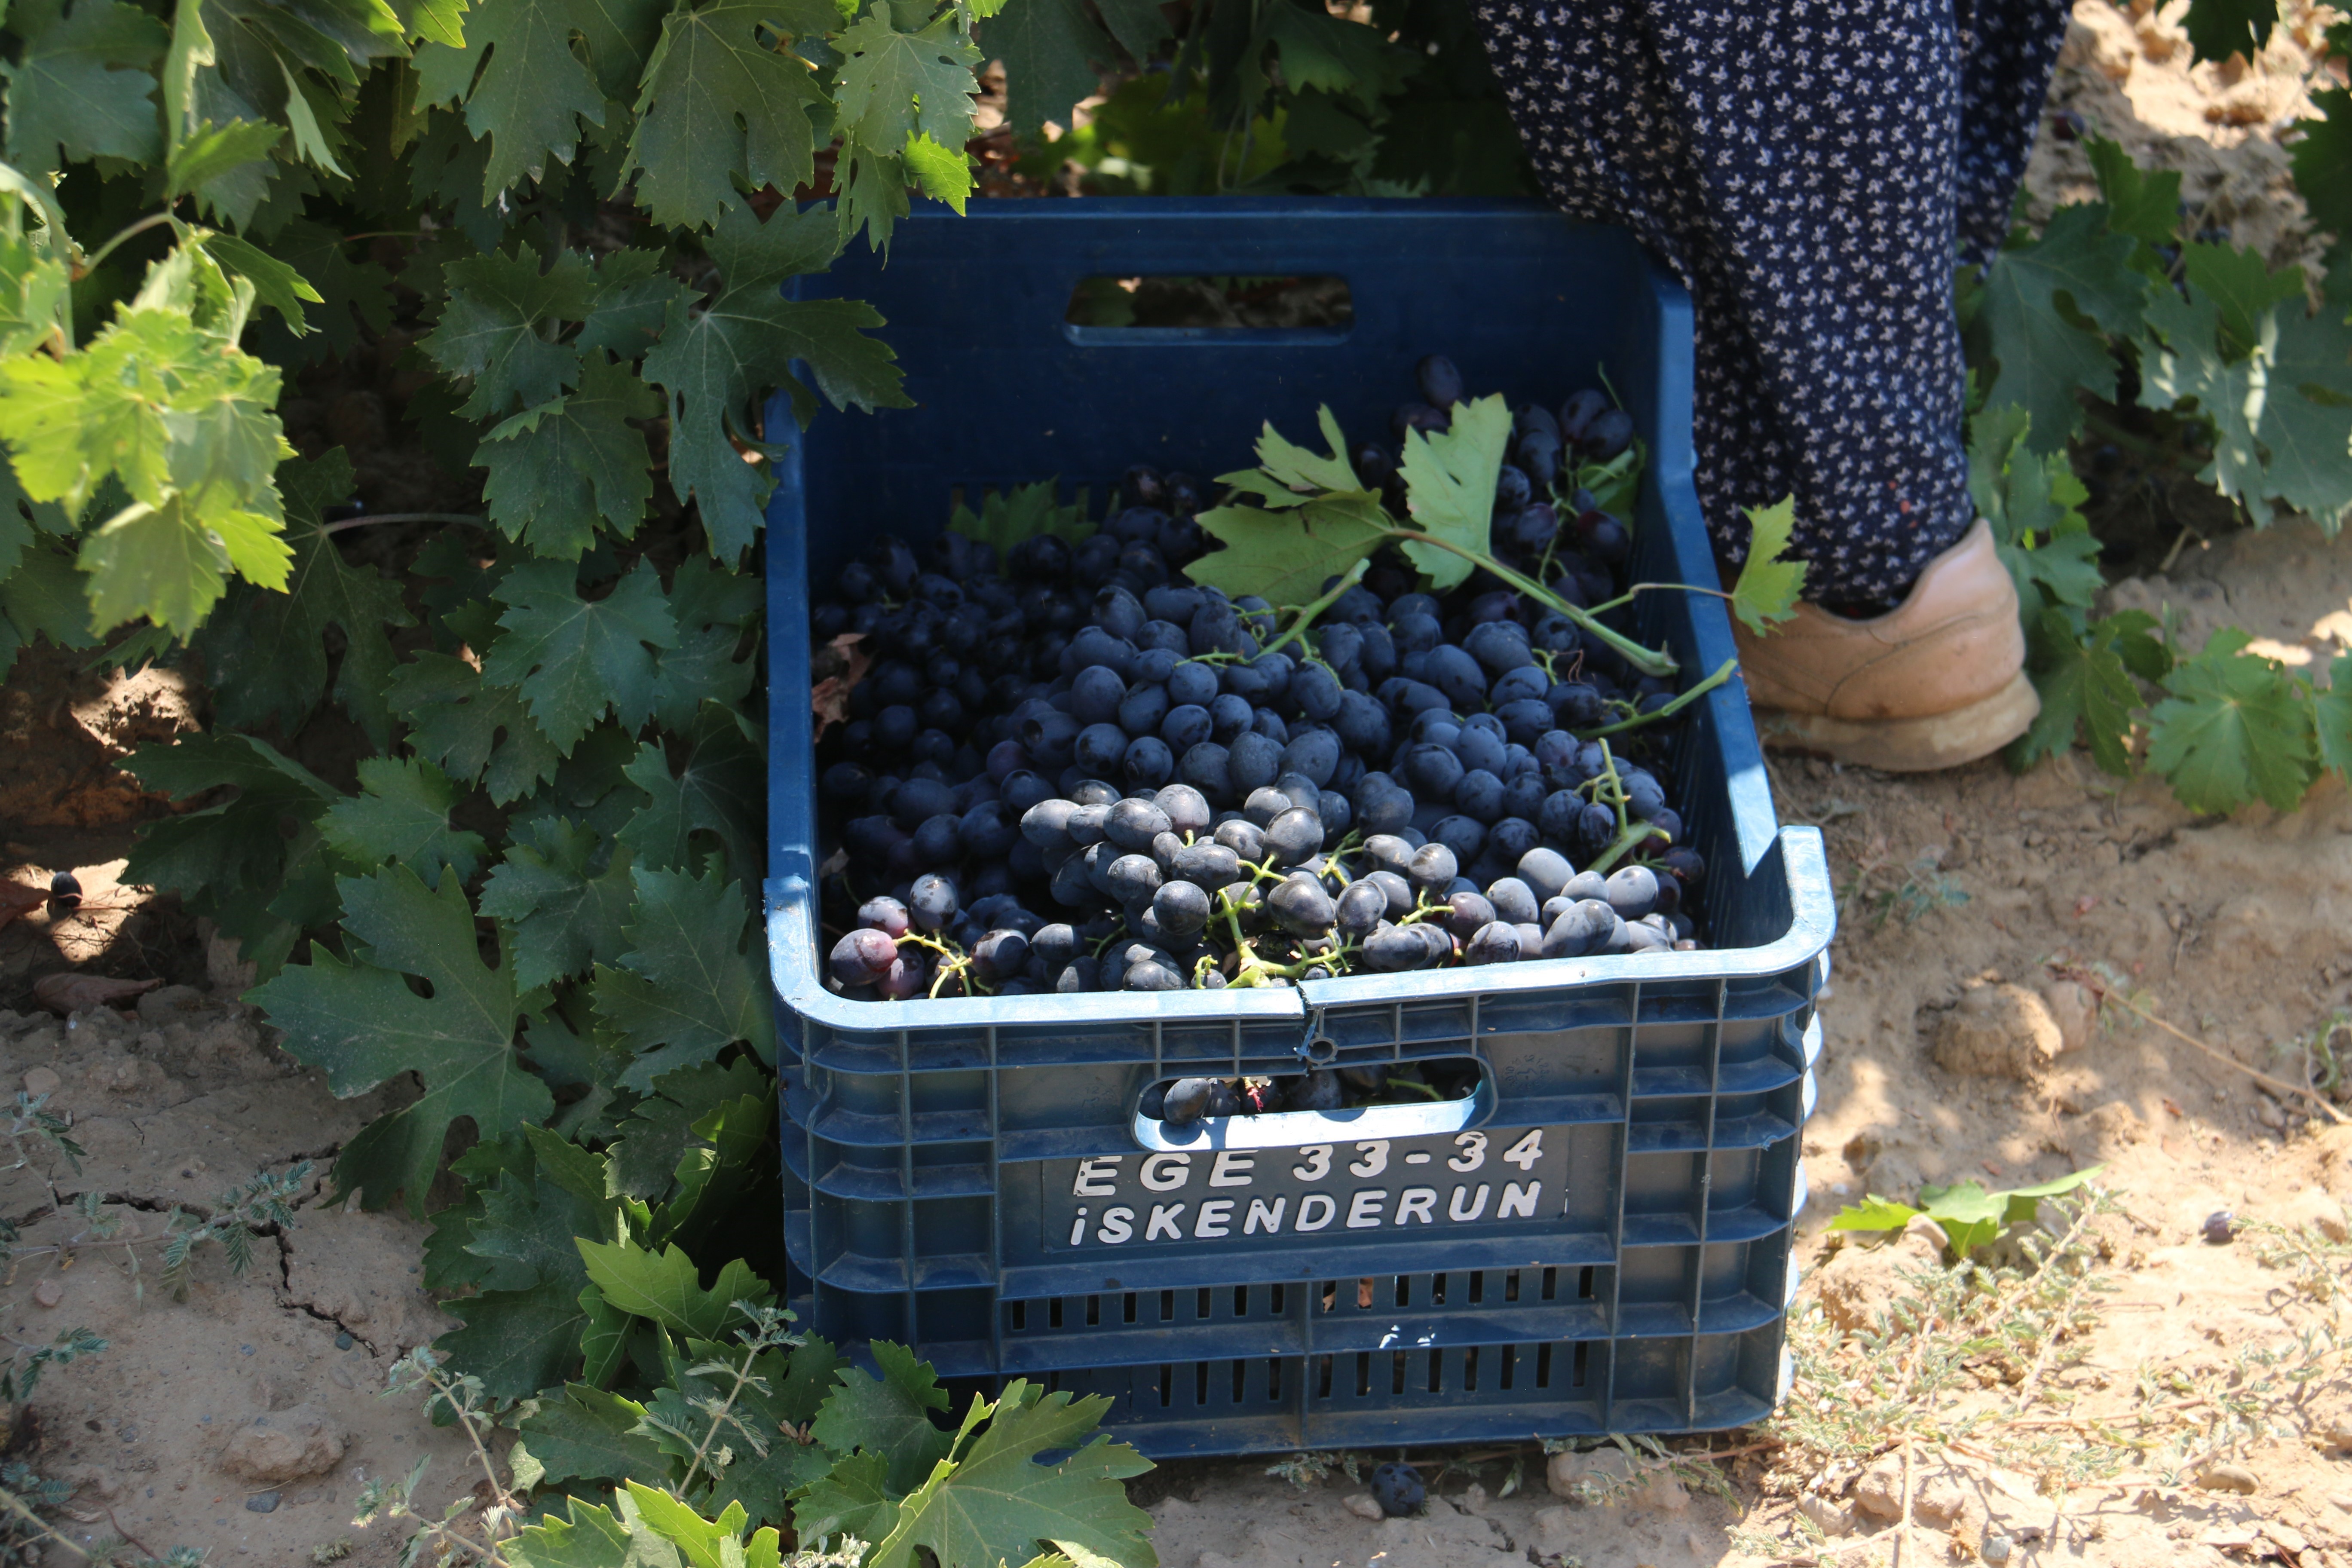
x: 1909, y: 745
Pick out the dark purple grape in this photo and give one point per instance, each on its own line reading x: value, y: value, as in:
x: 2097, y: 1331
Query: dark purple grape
x: 1301, y: 906
x: 1494, y: 942
x: 933, y: 901
x: 863, y: 956
x: 1441, y: 383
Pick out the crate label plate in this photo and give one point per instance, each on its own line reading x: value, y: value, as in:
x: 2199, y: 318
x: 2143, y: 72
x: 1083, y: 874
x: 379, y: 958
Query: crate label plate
x: 1376, y: 1187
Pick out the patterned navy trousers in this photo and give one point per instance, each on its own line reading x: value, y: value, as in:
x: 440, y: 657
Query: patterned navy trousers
x: 1810, y: 170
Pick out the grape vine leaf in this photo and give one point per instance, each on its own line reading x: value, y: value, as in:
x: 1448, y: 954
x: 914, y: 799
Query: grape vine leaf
x: 83, y: 86
x: 711, y: 605
x: 234, y: 851
x: 2243, y: 288
x: 1335, y: 55
x: 1297, y: 471
x: 2084, y: 681
x: 720, y: 104
x: 889, y: 1415
x: 2142, y: 203
x: 567, y: 912
x: 494, y: 327
x: 2290, y: 396
x: 402, y: 814
x: 2031, y: 502
x: 695, y: 980
x: 2042, y: 357
x: 590, y: 1434
x: 354, y: 294
x: 275, y: 283
x: 633, y: 297
x: 561, y: 470
x: 1050, y: 49
x: 2332, y: 716
x: 359, y: 1020
x: 527, y: 1339
x: 715, y: 358
x: 576, y: 659
x: 854, y: 1498
x: 996, y: 1503
x: 1007, y: 517
x: 478, y: 732
x: 659, y: 1130
x: 266, y: 652
x: 665, y: 1287
x: 895, y: 85
x: 2234, y: 728
x: 1285, y: 557
x: 944, y: 172
x: 719, y: 788
x: 1449, y: 478
x: 213, y: 151
x: 2220, y: 28
x: 527, y: 97
x: 586, y: 1535
x: 1874, y: 1213
x: 1768, y: 585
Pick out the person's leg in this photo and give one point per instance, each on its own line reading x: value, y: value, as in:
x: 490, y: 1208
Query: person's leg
x: 1808, y: 170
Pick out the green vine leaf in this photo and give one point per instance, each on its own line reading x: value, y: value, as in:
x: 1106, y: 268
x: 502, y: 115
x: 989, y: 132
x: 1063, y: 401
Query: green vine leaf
x: 589, y: 1434
x: 2234, y: 728
x: 482, y: 734
x: 889, y: 1415
x: 568, y: 910
x: 719, y: 787
x: 1050, y: 49
x: 2086, y: 684
x: 1287, y: 556
x: 1769, y: 586
x: 525, y: 88
x: 266, y: 652
x: 359, y: 1020
x: 402, y: 814
x: 664, y: 1287
x: 576, y: 659
x: 694, y: 983
x: 2042, y: 356
x: 82, y: 88
x: 1449, y: 480
x: 895, y: 85
x: 722, y: 104
x: 522, y: 1340
x: 495, y: 328
x: 997, y: 1503
x: 2288, y: 399
x: 560, y: 469
x: 715, y: 358
x: 2332, y: 716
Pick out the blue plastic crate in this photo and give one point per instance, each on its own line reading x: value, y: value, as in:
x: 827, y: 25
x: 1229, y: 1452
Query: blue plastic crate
x: 938, y: 1154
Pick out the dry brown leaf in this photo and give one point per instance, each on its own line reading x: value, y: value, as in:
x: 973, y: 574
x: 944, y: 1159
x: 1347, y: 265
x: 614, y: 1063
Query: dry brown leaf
x: 70, y: 993
x: 829, y: 699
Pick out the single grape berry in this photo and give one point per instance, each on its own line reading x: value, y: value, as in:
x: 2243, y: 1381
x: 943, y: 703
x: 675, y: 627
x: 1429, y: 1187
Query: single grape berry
x: 934, y: 901
x: 1399, y: 1491
x: 1188, y: 1101
x: 1300, y: 905
x: 863, y: 956
x: 2220, y: 1226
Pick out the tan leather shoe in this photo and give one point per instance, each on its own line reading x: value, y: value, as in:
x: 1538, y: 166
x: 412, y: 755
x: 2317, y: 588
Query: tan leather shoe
x: 1936, y: 681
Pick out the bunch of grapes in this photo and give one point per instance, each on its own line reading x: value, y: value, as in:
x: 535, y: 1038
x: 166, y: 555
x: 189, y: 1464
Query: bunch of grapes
x: 1071, y: 769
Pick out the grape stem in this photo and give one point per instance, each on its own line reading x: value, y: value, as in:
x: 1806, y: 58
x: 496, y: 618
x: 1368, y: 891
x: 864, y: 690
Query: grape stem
x: 1722, y: 674
x: 1307, y: 613
x: 1649, y: 661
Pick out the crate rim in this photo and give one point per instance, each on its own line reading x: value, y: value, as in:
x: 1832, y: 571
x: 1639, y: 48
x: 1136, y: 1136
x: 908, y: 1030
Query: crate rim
x: 792, y: 927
